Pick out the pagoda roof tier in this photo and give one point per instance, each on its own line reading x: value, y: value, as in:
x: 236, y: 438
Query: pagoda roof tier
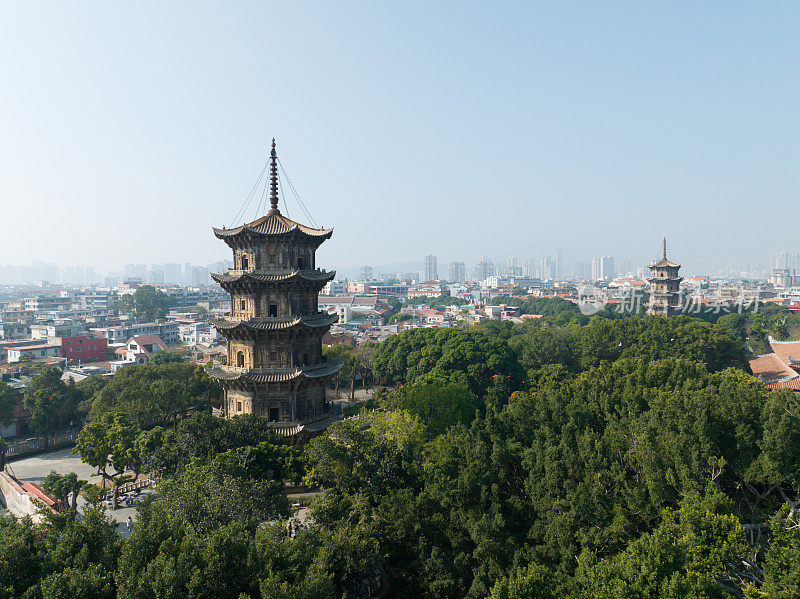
x: 274, y: 223
x: 275, y: 324
x: 273, y: 375
x: 663, y: 263
x: 657, y: 279
x: 234, y: 276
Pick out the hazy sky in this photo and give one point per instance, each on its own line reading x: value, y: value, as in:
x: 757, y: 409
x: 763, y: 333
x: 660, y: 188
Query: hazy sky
x: 459, y: 129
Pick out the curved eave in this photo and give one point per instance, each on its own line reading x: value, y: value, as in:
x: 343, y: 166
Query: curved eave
x: 272, y: 225
x: 254, y: 376
x: 275, y: 325
x: 310, y: 276
x: 664, y: 264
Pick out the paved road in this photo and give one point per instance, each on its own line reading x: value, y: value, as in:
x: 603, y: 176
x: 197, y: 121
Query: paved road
x: 35, y: 468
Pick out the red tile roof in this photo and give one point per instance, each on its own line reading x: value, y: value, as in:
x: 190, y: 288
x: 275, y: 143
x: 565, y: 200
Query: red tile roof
x: 789, y: 384
x: 788, y: 351
x: 770, y: 368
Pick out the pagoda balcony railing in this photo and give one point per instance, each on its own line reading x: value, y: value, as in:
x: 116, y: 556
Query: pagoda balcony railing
x: 324, y: 363
x: 245, y: 317
x: 274, y: 270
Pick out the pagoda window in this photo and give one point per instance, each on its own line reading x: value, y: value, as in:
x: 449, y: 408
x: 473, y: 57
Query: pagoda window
x: 305, y: 359
x: 301, y: 264
x: 273, y: 414
x: 240, y: 359
x: 244, y: 263
x: 243, y: 305
x: 273, y: 310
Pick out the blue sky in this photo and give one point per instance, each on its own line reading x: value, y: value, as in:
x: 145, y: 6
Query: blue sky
x: 459, y: 129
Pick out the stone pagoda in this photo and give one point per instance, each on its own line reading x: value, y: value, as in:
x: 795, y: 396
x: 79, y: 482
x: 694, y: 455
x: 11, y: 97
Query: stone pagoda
x: 274, y: 329
x: 665, y: 294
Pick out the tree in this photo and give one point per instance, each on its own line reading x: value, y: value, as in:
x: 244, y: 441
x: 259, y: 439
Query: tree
x: 154, y: 393
x: 439, y: 405
x: 400, y: 317
x: 166, y: 357
x: 146, y: 302
x: 695, y: 552
x: 8, y: 403
x: 208, y: 496
x: 51, y: 401
x: 61, y: 486
x: 470, y: 358
x: 110, y: 442
x: 89, y: 582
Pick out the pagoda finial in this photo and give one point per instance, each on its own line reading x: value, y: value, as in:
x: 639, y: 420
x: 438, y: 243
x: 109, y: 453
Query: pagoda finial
x: 665, y: 248
x: 273, y: 180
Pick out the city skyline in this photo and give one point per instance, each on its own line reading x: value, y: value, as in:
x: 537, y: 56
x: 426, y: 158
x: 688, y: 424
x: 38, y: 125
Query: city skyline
x: 586, y: 123
x: 542, y: 266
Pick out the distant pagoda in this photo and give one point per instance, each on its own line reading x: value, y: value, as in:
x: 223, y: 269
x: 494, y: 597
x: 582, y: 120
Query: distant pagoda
x: 274, y: 330
x: 665, y: 294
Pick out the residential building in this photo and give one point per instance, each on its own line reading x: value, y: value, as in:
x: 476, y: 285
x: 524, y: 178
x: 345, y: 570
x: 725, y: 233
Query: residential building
x: 335, y: 288
x: 33, y: 352
x: 603, y: 268
x: 431, y: 272
x: 139, y: 350
x: 558, y: 265
x: 583, y: 271
x: 457, y: 272
x: 66, y: 329
x: 167, y: 331
x: 366, y: 273
x: 484, y: 269
x: 84, y: 349
x: 14, y: 330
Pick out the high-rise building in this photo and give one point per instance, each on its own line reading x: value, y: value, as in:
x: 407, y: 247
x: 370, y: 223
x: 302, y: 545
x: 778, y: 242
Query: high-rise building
x: 602, y: 268
x: 156, y: 275
x: 172, y: 273
x: 583, y: 271
x: 547, y: 270
x: 512, y: 268
x: 484, y: 269
x: 136, y: 271
x: 558, y: 266
x: 624, y: 268
x: 457, y: 272
x: 274, y: 330
x: 530, y: 268
x: 780, y: 260
x: 431, y: 272
x: 366, y: 273
x: 665, y: 295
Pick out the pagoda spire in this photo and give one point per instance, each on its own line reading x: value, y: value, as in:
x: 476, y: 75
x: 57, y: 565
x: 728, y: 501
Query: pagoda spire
x: 273, y: 180
x: 665, y: 244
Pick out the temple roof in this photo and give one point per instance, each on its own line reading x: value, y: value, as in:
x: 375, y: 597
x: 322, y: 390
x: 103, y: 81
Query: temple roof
x: 276, y: 324
x: 276, y: 375
x: 274, y: 223
x: 306, y: 275
x: 663, y: 263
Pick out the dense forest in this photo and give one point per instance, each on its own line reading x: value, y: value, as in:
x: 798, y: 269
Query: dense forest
x: 568, y: 457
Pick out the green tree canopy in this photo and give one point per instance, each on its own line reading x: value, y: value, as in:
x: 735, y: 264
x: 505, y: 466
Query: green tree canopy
x: 146, y: 302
